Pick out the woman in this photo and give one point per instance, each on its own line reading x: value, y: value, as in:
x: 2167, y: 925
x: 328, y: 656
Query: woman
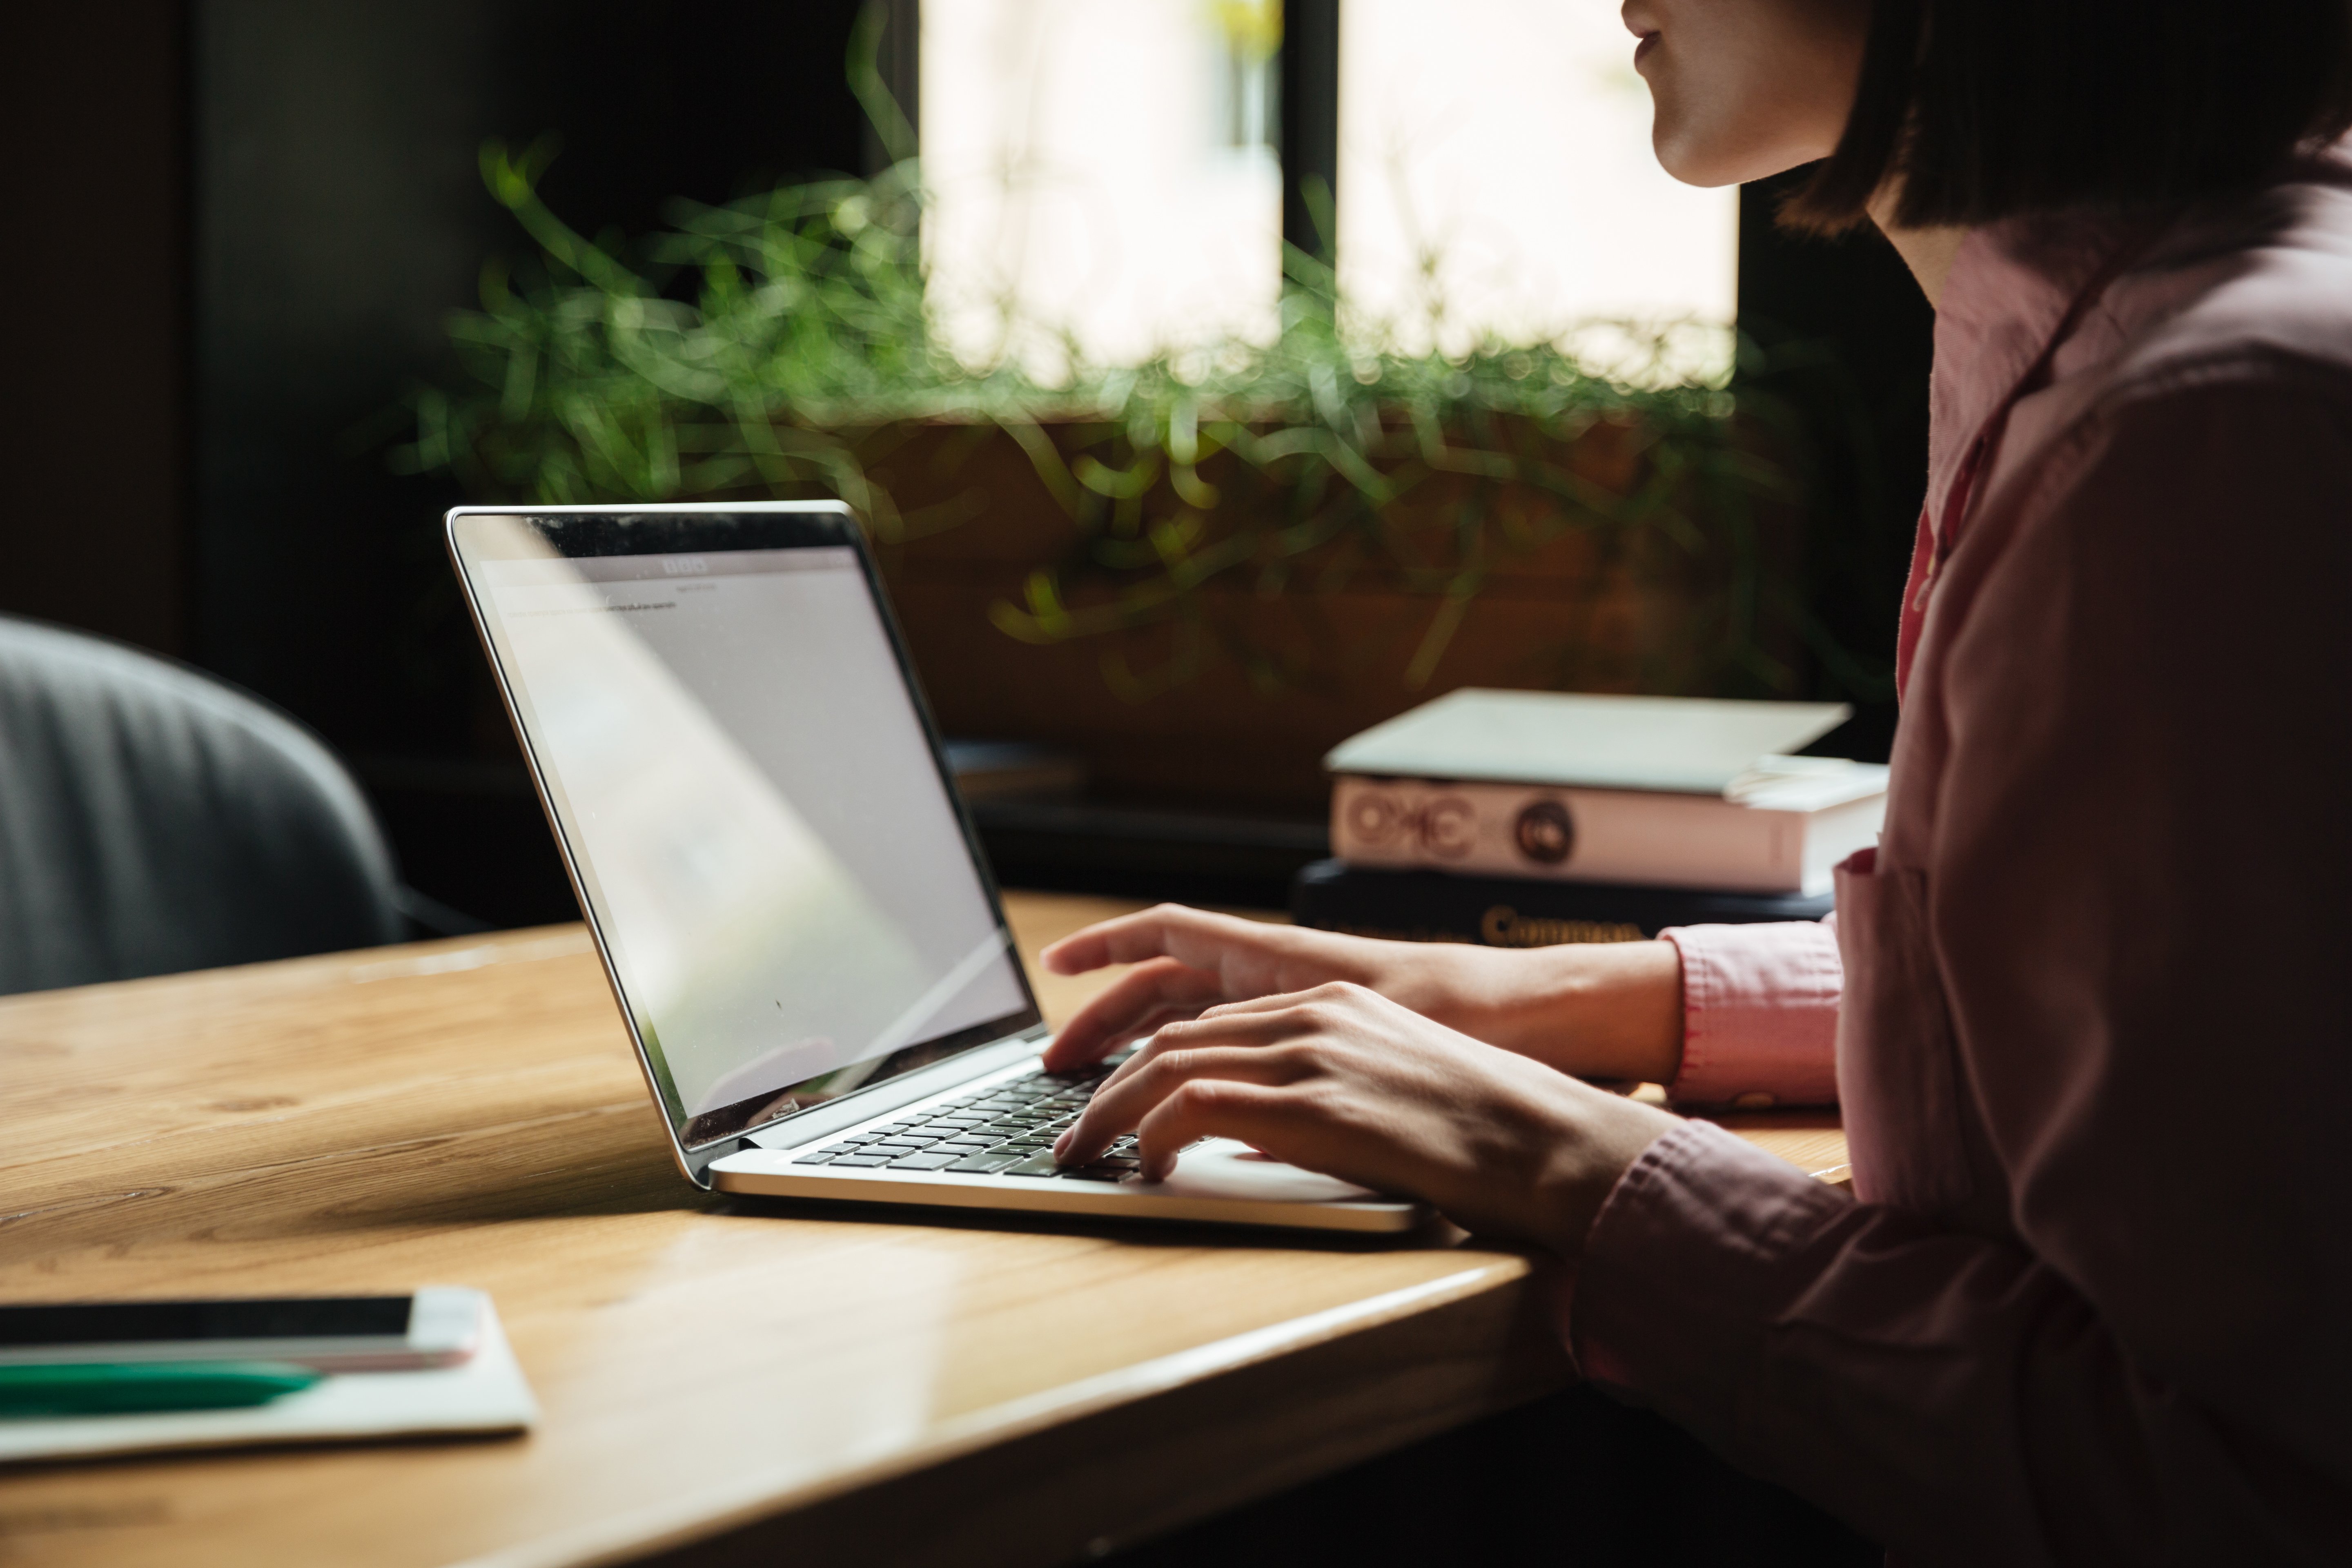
x: 2088, y: 1298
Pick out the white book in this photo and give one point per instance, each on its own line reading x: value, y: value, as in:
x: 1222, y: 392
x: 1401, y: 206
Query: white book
x: 1658, y: 791
x: 1686, y: 745
x: 1775, y: 833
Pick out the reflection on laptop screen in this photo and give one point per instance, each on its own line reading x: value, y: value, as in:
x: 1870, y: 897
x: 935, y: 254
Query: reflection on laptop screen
x: 778, y: 873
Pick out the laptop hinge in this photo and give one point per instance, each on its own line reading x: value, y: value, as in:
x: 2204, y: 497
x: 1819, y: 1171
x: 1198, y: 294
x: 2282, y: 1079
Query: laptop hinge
x: 822, y: 1120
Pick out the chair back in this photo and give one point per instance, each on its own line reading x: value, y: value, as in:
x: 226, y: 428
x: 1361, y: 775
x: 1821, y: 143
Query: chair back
x: 154, y: 819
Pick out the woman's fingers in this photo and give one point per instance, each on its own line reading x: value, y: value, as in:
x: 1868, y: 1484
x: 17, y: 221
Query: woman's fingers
x: 1130, y: 1095
x: 1185, y: 960
x: 1260, y: 1021
x: 1128, y: 939
x: 1139, y: 1028
x: 1252, y: 1113
x: 1145, y: 997
x: 1171, y: 931
x: 1331, y: 992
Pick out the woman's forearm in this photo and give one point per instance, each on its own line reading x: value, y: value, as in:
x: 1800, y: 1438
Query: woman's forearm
x: 1601, y: 1010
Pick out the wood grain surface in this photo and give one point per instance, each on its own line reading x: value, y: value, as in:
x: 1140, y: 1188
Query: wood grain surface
x: 722, y: 1381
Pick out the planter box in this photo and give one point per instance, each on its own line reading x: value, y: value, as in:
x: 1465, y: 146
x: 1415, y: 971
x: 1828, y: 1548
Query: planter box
x: 1232, y: 699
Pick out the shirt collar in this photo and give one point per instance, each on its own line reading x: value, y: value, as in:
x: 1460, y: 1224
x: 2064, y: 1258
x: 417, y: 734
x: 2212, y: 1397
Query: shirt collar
x: 2010, y: 289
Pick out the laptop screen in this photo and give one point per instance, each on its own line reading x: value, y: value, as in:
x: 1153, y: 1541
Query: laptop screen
x: 755, y: 813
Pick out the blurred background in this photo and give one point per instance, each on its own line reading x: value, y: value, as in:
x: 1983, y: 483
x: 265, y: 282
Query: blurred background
x: 240, y: 230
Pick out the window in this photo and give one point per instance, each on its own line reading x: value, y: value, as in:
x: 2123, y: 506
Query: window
x: 1103, y: 177
x: 1496, y: 176
x: 1102, y: 168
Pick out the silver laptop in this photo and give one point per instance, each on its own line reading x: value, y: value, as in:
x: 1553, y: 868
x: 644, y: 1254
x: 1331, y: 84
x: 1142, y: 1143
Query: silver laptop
x: 786, y: 892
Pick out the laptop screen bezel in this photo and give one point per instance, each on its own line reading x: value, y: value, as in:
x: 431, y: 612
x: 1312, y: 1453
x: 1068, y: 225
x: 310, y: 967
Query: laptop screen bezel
x: 593, y: 532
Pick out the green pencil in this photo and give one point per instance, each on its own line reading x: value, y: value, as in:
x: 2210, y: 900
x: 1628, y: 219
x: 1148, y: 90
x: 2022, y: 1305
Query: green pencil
x: 120, y: 1388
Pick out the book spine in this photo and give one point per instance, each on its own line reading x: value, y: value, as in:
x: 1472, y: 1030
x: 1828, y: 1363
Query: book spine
x: 1639, y: 837
x: 1493, y: 911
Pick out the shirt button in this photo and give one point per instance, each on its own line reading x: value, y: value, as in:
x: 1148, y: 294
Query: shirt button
x: 1755, y: 1100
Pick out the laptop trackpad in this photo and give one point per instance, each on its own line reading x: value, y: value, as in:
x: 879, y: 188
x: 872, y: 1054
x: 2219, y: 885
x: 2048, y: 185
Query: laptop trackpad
x: 1221, y: 1168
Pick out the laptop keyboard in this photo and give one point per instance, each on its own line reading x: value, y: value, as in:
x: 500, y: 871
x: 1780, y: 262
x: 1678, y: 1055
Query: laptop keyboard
x: 1006, y: 1130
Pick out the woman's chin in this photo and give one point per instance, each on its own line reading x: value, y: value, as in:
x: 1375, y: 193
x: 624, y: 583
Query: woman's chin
x: 1699, y: 166
x: 1712, y: 161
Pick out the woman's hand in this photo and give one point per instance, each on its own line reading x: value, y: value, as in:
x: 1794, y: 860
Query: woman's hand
x: 1609, y: 1010
x: 1343, y: 1080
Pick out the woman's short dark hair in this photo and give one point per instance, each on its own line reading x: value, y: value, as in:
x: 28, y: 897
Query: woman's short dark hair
x: 1984, y: 108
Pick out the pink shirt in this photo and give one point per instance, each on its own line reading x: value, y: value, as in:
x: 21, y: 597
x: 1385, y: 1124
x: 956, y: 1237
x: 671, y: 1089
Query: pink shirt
x: 2091, y: 1297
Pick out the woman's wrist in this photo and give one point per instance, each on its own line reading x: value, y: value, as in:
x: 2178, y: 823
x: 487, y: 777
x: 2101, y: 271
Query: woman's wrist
x: 1596, y: 1010
x: 1601, y: 1138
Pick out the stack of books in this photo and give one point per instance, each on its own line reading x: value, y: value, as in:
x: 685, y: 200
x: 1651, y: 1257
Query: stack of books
x: 1526, y: 818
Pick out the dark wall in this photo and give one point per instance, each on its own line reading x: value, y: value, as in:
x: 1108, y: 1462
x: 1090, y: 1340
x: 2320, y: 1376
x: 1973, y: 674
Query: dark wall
x: 340, y: 217
x: 93, y: 266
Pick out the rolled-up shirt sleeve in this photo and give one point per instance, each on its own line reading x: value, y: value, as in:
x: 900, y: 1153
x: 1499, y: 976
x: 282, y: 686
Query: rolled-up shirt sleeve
x: 1759, y: 1013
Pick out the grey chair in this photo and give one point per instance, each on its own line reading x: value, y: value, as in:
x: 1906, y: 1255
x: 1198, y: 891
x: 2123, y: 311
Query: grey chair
x: 154, y: 819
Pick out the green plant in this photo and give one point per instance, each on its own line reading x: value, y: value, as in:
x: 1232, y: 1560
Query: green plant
x: 770, y: 347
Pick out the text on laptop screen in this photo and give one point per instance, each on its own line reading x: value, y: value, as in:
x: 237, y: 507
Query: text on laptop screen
x: 780, y: 878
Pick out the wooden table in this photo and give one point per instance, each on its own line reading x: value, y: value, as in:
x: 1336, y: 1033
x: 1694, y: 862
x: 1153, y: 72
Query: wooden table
x: 754, y: 1382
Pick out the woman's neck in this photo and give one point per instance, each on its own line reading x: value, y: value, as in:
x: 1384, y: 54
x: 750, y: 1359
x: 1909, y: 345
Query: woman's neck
x: 1928, y: 252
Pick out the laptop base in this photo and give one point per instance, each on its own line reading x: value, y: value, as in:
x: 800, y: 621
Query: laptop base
x: 1211, y: 1197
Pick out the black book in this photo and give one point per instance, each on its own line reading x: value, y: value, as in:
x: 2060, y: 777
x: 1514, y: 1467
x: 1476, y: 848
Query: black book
x: 1513, y: 911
